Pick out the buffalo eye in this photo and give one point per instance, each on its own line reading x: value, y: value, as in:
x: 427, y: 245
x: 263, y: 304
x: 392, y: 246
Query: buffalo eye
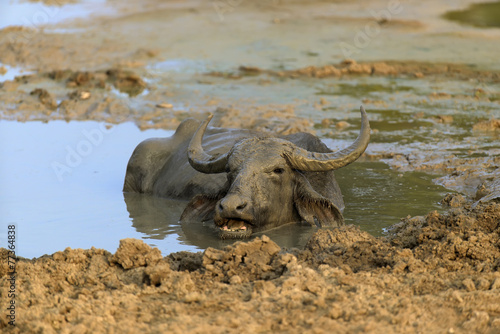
x: 278, y: 170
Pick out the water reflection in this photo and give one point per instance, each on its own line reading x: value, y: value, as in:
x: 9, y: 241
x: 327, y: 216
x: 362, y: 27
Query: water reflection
x: 375, y: 197
x: 159, y: 217
x: 37, y: 15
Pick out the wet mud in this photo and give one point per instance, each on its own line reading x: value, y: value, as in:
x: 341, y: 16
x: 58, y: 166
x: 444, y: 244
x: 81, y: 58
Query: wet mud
x: 434, y: 106
x: 433, y: 273
x: 351, y: 67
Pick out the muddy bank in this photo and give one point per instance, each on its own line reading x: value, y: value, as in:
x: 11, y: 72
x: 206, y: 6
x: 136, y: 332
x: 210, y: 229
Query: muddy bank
x: 105, y: 95
x: 475, y: 177
x: 433, y: 273
x: 351, y: 67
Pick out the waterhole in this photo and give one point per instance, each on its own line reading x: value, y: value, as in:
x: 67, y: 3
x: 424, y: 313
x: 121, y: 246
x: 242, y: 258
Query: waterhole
x: 62, y: 187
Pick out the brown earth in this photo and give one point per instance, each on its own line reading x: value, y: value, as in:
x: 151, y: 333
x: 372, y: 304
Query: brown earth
x: 432, y: 274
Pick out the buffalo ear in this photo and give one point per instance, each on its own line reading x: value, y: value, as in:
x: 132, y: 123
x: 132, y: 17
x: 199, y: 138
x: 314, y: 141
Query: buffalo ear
x: 315, y: 208
x: 200, y: 208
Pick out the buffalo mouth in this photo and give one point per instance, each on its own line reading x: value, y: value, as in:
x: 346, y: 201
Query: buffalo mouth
x: 234, y: 228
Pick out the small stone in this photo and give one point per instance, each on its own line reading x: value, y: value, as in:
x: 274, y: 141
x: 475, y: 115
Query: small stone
x: 164, y: 105
x: 85, y: 95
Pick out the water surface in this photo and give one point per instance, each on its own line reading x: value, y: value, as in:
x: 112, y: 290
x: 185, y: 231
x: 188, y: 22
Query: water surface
x: 61, y: 185
x: 37, y: 15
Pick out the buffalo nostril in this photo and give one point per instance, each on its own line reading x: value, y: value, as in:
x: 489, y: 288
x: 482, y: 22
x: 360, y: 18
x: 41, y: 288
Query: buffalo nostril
x: 241, y: 206
x: 232, y: 205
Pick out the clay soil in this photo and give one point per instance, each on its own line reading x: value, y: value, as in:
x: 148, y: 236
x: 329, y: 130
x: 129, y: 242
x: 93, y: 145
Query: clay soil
x: 435, y: 273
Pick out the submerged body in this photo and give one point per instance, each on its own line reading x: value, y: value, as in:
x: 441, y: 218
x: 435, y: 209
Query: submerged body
x: 245, y: 181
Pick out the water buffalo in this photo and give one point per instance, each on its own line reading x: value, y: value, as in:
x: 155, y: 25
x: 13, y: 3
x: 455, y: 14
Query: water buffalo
x: 245, y: 181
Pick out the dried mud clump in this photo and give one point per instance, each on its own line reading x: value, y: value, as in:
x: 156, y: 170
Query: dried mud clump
x: 348, y: 248
x: 134, y: 253
x: 438, y: 273
x: 243, y: 262
x: 125, y: 81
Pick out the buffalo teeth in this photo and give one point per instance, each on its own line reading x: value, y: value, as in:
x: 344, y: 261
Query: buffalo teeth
x: 226, y: 226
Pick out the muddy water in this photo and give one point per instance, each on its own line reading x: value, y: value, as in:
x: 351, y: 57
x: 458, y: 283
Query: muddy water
x: 61, y: 183
x: 376, y: 195
x: 62, y: 187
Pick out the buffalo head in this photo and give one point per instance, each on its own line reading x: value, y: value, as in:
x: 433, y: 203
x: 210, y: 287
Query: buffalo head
x: 268, y: 183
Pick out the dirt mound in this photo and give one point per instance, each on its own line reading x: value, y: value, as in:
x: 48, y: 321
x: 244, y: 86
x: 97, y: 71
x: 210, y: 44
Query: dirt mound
x: 465, y: 239
x: 437, y: 273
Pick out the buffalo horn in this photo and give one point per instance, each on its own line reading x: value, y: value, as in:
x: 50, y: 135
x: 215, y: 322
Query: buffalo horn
x: 199, y: 159
x: 306, y: 161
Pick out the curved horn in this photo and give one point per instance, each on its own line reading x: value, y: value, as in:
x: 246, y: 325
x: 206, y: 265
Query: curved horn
x: 199, y: 159
x: 321, y: 162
